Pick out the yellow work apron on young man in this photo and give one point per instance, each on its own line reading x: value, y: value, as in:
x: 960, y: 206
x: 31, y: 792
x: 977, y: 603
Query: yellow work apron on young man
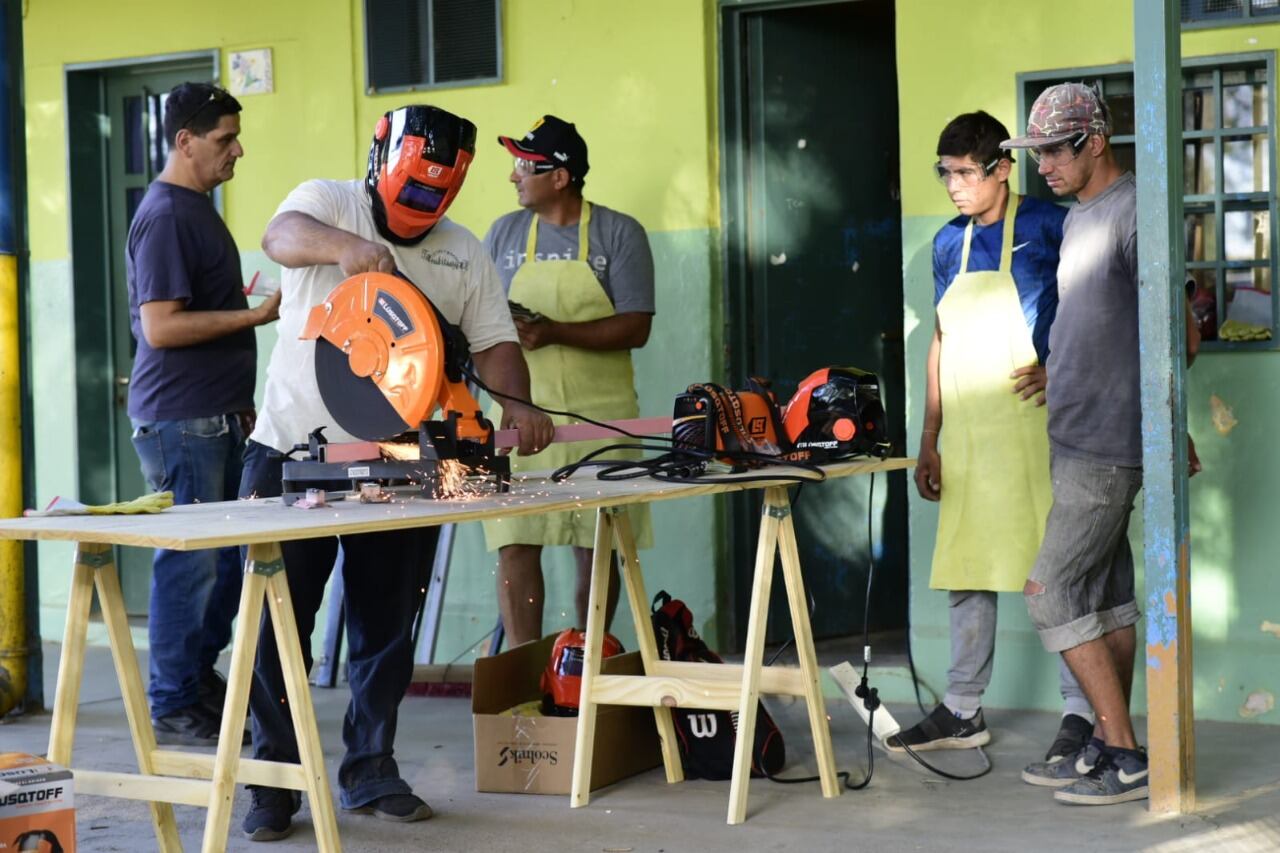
x: 994, y: 445
x: 597, y: 384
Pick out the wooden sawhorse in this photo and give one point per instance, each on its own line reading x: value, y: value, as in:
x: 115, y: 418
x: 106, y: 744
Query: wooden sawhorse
x: 190, y: 778
x: 727, y: 687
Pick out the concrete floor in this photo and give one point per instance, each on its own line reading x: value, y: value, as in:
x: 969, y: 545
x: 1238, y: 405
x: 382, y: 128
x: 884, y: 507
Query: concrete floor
x: 904, y: 809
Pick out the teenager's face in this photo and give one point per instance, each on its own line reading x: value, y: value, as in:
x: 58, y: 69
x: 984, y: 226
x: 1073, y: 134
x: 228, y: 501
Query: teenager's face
x: 972, y: 189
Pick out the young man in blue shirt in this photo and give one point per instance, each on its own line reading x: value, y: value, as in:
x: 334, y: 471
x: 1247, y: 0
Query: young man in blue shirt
x: 995, y: 294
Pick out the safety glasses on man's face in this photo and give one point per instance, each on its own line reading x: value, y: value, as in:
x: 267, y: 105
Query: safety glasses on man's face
x: 1060, y: 154
x: 525, y: 167
x: 966, y: 176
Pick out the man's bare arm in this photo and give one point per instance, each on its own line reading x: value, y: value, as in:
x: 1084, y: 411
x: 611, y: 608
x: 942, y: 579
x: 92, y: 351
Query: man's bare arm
x: 619, y: 332
x: 294, y: 239
x: 167, y: 323
x: 502, y: 368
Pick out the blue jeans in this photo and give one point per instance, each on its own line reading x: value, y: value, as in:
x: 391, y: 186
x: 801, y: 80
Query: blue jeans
x: 194, y: 594
x: 385, y: 577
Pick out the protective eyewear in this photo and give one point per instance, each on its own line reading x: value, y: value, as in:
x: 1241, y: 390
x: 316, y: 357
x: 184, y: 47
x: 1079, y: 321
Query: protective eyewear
x: 967, y: 176
x: 216, y: 96
x: 1060, y: 154
x: 530, y: 167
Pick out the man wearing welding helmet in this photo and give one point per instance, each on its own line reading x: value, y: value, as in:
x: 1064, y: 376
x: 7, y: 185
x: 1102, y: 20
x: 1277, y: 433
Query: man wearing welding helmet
x: 322, y: 233
x: 580, y: 280
x: 996, y: 294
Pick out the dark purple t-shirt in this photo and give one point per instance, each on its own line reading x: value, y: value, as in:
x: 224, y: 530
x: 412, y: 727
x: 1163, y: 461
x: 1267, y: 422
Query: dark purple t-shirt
x: 179, y: 248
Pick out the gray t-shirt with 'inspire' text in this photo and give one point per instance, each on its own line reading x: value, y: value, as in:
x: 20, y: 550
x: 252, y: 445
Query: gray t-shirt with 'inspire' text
x: 1095, y: 409
x: 617, y: 245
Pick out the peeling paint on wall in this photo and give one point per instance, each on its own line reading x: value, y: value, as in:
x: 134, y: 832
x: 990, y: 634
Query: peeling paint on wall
x: 1258, y: 702
x: 1271, y: 628
x: 1224, y: 420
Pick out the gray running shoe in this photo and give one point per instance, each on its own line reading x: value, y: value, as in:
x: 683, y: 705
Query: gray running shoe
x: 1120, y: 776
x: 1063, y: 770
x: 941, y: 730
x: 1073, y: 735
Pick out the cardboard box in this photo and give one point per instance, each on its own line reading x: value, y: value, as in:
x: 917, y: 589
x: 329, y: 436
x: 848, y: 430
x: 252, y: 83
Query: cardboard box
x: 37, y: 806
x: 534, y: 755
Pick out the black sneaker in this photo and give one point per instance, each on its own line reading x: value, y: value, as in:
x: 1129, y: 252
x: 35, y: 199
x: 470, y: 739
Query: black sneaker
x: 1073, y: 736
x: 271, y: 812
x: 399, y: 808
x: 212, y: 690
x: 941, y: 730
x: 213, y: 695
x: 192, y: 726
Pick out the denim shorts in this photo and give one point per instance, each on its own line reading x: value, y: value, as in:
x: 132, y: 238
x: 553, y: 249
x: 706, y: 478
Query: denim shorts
x: 1085, y: 564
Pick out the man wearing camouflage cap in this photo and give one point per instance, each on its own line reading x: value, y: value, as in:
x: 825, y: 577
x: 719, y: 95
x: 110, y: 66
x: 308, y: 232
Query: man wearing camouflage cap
x: 1080, y: 593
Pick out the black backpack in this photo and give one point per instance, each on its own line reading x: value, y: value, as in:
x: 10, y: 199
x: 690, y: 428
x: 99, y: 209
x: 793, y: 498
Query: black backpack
x: 707, y: 738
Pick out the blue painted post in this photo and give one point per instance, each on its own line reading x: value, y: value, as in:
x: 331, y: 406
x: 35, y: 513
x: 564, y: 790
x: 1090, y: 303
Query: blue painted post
x: 1162, y: 339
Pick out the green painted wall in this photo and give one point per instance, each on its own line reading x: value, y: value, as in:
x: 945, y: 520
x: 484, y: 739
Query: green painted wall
x: 638, y: 79
x: 972, y: 60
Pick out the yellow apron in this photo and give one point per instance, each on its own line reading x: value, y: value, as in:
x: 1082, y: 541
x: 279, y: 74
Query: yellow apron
x: 597, y: 384
x: 995, y: 447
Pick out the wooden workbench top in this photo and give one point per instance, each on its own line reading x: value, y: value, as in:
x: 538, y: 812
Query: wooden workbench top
x: 247, y: 522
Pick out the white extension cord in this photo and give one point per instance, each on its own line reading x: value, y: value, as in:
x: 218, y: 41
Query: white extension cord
x: 884, y: 726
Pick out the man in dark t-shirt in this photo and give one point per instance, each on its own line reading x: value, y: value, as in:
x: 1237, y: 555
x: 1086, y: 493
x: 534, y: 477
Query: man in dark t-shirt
x: 191, y: 397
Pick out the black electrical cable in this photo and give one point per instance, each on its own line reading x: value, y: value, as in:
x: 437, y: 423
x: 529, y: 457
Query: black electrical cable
x: 869, y: 695
x: 470, y: 374
x: 682, y: 465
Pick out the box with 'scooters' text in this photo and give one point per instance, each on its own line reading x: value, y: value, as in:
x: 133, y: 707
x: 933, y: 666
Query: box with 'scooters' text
x: 534, y: 754
x: 37, y: 806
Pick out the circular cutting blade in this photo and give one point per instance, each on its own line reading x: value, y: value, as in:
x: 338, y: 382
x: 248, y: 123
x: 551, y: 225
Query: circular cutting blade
x: 356, y: 402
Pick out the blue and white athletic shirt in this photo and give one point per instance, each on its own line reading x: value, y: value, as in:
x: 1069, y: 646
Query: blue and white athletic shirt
x: 1036, y: 239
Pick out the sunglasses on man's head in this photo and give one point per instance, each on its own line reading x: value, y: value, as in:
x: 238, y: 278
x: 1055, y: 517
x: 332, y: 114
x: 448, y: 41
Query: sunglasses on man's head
x: 216, y: 96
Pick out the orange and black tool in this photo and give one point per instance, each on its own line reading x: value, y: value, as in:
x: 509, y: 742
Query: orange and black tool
x: 386, y: 359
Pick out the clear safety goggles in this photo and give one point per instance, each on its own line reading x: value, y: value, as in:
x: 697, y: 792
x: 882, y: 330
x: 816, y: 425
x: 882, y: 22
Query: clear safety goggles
x: 966, y: 176
x: 1062, y: 153
x: 530, y: 167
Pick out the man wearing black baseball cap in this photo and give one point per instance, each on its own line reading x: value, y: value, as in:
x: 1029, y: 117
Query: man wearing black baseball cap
x: 580, y: 280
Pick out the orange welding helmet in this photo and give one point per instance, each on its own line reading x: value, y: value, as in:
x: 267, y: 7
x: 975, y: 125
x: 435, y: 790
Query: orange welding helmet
x: 417, y: 163
x: 836, y: 413
x: 562, y: 679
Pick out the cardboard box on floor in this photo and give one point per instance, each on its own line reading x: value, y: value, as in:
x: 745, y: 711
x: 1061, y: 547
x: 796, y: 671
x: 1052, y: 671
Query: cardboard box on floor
x: 37, y: 805
x: 534, y: 755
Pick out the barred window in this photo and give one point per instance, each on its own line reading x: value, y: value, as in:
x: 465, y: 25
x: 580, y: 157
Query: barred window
x: 1228, y: 12
x: 422, y: 44
x: 1229, y: 199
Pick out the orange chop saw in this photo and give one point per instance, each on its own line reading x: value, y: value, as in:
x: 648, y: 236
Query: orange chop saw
x: 386, y: 359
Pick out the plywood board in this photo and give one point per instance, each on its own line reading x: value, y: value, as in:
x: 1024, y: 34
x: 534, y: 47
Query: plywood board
x: 246, y: 522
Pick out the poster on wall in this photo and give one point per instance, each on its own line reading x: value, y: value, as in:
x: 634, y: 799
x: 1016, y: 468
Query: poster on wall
x: 251, y: 72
